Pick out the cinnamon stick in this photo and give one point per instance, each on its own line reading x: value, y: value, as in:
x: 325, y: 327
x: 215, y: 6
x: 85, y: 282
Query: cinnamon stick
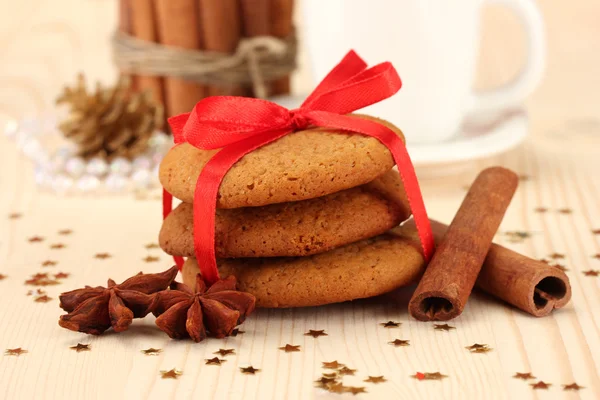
x: 256, y: 19
x: 143, y: 25
x: 178, y: 25
x: 124, y: 25
x: 221, y: 31
x: 530, y: 285
x: 282, y: 26
x: 449, y: 279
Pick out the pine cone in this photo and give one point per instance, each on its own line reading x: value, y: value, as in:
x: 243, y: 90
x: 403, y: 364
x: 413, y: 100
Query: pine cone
x: 111, y: 122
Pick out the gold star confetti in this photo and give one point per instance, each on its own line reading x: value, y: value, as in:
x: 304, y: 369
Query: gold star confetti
x: 479, y: 348
x: 332, y: 365
x: 331, y: 375
x: 429, y: 376
x: 517, y: 236
x: 354, y: 390
x: 15, y: 215
x: 444, y: 327
x: 102, y: 256
x: 214, y: 361
x: 573, y: 386
x: 35, y: 239
x: 150, y: 259
x: 324, y: 381
x: 61, y: 275
x: 224, y: 352
x: 541, y: 210
x: 42, y: 299
x: 2, y: 277
x: 151, y: 351
x: 540, y: 385
x: 346, y: 371
x: 315, y: 334
x: 57, y: 246
x: 49, y: 263
x: 596, y: 232
x: 249, y: 370
x: 596, y: 256
x: 336, y: 387
x: 400, y: 342
x: 375, y: 379
x: 151, y: 246
x: 81, y: 347
x: 390, y: 324
x: 236, y: 332
x: 65, y: 232
x: 41, y: 279
x: 524, y: 178
x: 171, y: 374
x: 289, y: 348
x: 15, y: 352
x: 556, y: 256
x: 523, y: 375
x: 591, y: 272
x: 564, y: 211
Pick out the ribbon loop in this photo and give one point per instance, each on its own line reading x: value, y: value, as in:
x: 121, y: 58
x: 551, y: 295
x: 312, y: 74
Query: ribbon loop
x: 238, y: 125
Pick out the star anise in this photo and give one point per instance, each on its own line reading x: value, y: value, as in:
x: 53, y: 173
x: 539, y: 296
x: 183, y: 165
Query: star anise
x: 218, y: 309
x: 95, y: 309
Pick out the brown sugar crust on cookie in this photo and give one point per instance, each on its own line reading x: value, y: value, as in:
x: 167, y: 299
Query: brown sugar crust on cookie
x: 299, y: 166
x: 297, y: 228
x: 363, y: 269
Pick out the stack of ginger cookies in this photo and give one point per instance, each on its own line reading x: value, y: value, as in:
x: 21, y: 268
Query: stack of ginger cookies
x: 306, y: 220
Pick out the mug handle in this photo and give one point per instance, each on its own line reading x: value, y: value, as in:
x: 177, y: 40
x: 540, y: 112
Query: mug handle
x: 532, y: 73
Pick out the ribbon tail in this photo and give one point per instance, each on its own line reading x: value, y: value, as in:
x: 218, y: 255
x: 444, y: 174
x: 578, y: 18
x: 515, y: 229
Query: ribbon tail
x: 205, y: 199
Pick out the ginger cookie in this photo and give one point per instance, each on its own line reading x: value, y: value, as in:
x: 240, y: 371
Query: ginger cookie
x: 363, y: 269
x: 302, y: 165
x: 297, y: 228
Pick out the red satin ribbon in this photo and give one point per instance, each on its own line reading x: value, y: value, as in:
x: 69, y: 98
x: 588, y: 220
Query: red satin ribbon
x: 241, y: 125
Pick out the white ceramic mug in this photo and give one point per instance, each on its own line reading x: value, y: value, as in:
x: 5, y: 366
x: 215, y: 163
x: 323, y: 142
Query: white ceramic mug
x: 433, y: 44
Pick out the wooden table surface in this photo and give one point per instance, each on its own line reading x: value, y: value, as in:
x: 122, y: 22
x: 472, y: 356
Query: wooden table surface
x: 43, y: 43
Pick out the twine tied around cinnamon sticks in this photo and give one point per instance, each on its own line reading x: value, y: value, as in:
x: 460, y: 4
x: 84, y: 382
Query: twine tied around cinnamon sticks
x: 256, y: 61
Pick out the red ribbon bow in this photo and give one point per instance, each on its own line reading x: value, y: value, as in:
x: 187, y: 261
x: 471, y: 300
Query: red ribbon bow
x: 240, y: 125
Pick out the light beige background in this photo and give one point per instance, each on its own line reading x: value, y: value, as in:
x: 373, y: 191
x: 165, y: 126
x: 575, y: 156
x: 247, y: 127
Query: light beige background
x: 44, y: 43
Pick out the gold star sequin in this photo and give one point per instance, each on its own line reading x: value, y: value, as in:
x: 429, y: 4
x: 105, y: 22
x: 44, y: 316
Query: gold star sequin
x: 541, y: 210
x: 102, y: 256
x: 390, y: 324
x: 41, y: 279
x: 524, y: 178
x: 61, y: 275
x: 151, y: 246
x: 315, y: 334
x: 236, y: 332
x: 249, y: 370
x: 354, y: 390
x: 557, y: 256
x: 596, y: 232
x: 540, y: 385
x: 2, y: 277
x: 375, y: 379
x: 444, y: 327
x: 15, y: 352
x: 35, y: 239
x: 336, y: 387
x: 65, y: 232
x: 332, y: 365
x: 400, y: 342
x: 523, y: 375
x: 151, y: 351
x: 479, y: 348
x: 591, y: 272
x: 573, y: 386
x: 224, y: 352
x: 289, y: 348
x: 429, y: 376
x: 49, y: 263
x: 323, y: 381
x: 81, y: 347
x: 596, y: 256
x: 565, y: 210
x: 42, y: 299
x: 517, y: 236
x: 346, y: 371
x: 171, y: 374
x: 57, y: 246
x: 15, y: 215
x: 331, y: 375
x: 214, y: 361
x: 150, y: 259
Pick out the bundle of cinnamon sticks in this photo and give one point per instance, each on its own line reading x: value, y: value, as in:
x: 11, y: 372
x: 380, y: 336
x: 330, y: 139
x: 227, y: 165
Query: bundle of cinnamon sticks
x: 211, y: 25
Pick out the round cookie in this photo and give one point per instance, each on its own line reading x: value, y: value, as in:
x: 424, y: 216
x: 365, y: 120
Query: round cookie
x: 299, y: 166
x: 297, y: 228
x: 363, y: 269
